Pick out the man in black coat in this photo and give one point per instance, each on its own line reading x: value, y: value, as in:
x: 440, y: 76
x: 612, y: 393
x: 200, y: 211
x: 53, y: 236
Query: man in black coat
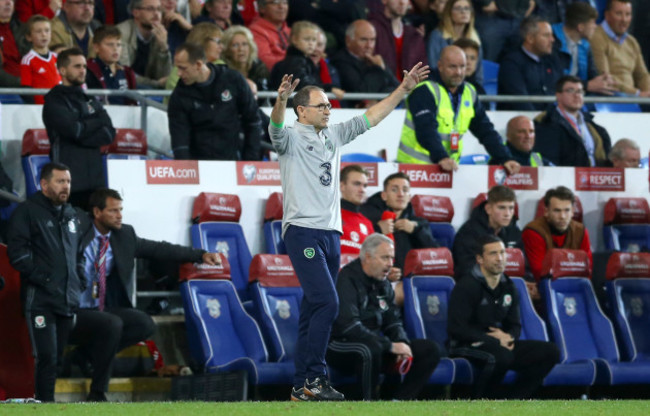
x: 484, y: 326
x: 368, y: 335
x: 209, y: 109
x: 360, y: 69
x: 567, y: 135
x: 77, y: 126
x: 43, y: 239
x: 532, y: 68
x: 107, y: 320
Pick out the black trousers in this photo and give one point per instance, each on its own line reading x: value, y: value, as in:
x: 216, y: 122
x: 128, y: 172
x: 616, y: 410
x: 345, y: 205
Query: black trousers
x: 49, y: 335
x: 101, y: 335
x: 368, y: 360
x: 532, y: 360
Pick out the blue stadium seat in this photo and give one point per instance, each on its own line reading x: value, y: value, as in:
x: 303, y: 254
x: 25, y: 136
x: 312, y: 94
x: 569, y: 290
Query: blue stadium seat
x: 627, y: 224
x: 11, y: 99
x: 579, y: 327
x: 628, y: 292
x: 35, y: 153
x: 644, y: 163
x: 579, y: 373
x: 427, y: 287
x: 221, y: 335
x: 474, y: 159
x: 617, y: 107
x: 439, y: 211
x: 273, y: 225
x: 276, y: 295
x: 360, y: 158
x: 216, y: 229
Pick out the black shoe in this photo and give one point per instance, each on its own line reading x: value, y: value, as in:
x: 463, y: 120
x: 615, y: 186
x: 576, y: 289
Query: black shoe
x: 96, y: 396
x: 299, y: 395
x: 320, y: 389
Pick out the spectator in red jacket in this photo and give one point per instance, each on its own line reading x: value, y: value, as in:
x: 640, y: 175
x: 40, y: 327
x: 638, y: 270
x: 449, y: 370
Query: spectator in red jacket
x: 556, y: 229
x: 400, y: 44
x: 27, y: 8
x: 271, y: 32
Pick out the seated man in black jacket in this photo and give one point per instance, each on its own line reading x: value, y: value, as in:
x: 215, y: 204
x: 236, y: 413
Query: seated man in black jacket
x: 496, y: 216
x: 391, y: 214
x: 360, y: 69
x: 368, y: 335
x: 484, y: 326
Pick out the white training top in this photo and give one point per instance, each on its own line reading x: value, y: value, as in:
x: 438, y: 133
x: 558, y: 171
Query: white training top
x: 310, y: 163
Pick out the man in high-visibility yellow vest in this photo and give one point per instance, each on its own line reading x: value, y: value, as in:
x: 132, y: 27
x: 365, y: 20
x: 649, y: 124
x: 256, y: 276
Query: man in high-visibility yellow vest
x: 439, y: 112
x: 520, y: 135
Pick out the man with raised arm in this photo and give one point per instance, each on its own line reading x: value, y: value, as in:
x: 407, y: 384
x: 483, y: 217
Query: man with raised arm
x: 310, y: 159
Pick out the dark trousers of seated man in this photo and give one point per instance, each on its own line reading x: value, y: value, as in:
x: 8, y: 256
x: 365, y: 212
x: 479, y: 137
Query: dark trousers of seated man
x: 368, y: 360
x: 532, y: 360
x: 101, y: 335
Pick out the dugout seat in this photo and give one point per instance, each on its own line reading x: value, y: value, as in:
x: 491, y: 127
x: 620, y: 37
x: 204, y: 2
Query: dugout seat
x: 474, y: 159
x: 361, y: 158
x: 626, y: 224
x: 221, y: 335
x: 128, y: 144
x: 216, y: 228
x: 439, y: 211
x: 35, y: 153
x: 628, y: 291
x: 428, y: 284
x: 580, y: 373
x: 579, y: 327
x: 273, y: 224
x: 276, y: 295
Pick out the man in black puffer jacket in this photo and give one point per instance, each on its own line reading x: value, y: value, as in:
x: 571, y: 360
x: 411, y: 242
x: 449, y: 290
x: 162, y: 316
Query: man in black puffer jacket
x: 209, y: 109
x: 78, y: 126
x: 43, y: 241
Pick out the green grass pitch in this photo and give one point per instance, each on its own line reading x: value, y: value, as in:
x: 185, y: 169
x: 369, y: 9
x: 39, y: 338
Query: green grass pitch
x: 420, y: 408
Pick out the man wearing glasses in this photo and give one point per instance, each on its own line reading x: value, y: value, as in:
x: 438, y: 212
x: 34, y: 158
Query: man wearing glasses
x: 566, y: 134
x: 145, y: 44
x: 74, y: 26
x: 310, y: 158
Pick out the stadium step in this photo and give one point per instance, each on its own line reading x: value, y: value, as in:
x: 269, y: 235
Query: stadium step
x: 135, y: 389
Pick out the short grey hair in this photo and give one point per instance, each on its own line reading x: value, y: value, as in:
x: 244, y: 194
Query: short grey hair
x: 530, y: 26
x: 618, y: 150
x: 371, y: 243
x: 134, y: 4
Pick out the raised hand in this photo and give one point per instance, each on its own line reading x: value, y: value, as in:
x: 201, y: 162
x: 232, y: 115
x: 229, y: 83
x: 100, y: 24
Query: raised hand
x: 287, y: 86
x: 416, y: 75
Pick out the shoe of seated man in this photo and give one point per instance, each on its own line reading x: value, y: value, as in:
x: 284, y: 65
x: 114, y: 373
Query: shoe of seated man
x: 320, y: 389
x: 298, y: 395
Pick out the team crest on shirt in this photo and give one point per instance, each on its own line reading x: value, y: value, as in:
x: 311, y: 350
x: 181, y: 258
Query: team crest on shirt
x: 72, y: 227
x: 354, y: 236
x: 91, y: 109
x: 507, y: 299
x: 226, y: 96
x: 383, y: 305
x: 39, y: 321
x: 363, y: 228
x: 433, y: 304
x: 570, y: 306
x: 283, y: 308
x: 214, y: 308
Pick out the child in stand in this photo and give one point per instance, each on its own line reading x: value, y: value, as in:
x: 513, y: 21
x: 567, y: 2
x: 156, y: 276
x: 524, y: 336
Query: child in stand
x: 304, y: 38
x: 38, y: 67
x: 104, y: 71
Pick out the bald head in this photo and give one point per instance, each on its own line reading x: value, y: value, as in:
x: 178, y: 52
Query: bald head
x: 452, y: 65
x: 520, y: 132
x: 625, y: 154
x: 360, y: 38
